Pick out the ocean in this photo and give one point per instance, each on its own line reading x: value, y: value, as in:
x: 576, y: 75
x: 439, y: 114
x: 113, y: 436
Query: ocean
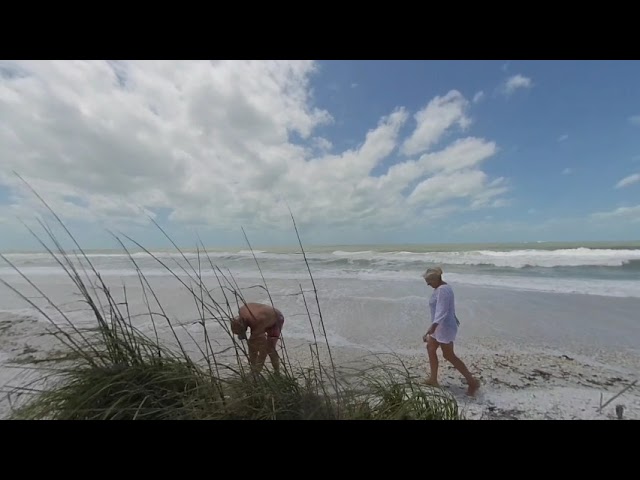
x: 608, y: 269
x: 373, y: 296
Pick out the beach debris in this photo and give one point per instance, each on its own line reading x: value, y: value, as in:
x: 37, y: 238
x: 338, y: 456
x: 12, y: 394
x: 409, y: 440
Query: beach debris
x: 619, y: 411
x: 566, y: 357
x: 542, y: 373
x: 494, y: 413
x: 616, y: 396
x: 29, y: 349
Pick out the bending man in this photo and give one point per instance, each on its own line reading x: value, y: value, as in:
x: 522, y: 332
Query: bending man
x: 265, y: 323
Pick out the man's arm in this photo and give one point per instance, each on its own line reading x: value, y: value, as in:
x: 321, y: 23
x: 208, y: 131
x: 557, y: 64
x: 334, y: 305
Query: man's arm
x: 257, y: 351
x: 258, y: 343
x: 431, y: 331
x: 254, y: 348
x: 432, y: 328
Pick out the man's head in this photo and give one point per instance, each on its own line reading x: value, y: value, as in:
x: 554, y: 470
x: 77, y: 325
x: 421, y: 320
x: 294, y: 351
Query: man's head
x: 433, y: 277
x: 239, y: 328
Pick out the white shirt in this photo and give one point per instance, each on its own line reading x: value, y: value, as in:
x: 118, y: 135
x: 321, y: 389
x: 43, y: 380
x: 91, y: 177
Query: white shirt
x: 443, y: 312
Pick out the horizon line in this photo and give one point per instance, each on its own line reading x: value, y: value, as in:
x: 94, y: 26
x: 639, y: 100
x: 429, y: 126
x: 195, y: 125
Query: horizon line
x: 327, y: 245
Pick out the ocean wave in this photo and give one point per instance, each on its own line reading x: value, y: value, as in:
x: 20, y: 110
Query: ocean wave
x: 610, y: 272
x: 517, y: 259
x: 544, y: 283
x: 631, y: 265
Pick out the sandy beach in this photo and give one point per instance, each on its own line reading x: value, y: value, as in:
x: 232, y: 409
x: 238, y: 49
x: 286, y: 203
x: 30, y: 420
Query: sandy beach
x: 538, y: 355
x: 327, y: 188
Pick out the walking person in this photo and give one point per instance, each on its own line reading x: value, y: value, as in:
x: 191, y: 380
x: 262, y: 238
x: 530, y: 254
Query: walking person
x: 443, y: 330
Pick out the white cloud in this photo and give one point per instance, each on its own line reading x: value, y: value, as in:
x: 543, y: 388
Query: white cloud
x: 630, y: 180
x: 567, y: 171
x: 563, y: 138
x: 212, y: 143
x: 630, y: 214
x: 527, y: 229
x: 462, y: 153
x: 322, y: 144
x: 554, y: 229
x: 354, y: 85
x: 440, y: 188
x: 635, y: 120
x: 433, y: 121
x: 516, y: 82
x: 478, y: 97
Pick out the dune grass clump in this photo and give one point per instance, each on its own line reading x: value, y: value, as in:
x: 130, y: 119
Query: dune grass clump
x: 144, y: 391
x: 168, y: 388
x: 402, y: 400
x: 116, y: 371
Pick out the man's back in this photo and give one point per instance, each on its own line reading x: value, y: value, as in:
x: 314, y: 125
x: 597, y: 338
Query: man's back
x: 258, y: 315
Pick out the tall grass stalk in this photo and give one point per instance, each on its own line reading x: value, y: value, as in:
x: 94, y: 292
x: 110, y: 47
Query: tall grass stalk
x: 114, y: 370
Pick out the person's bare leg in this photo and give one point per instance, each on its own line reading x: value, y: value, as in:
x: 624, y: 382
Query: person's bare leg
x: 273, y: 353
x: 259, y: 345
x: 432, y: 350
x: 450, y: 356
x: 253, y: 351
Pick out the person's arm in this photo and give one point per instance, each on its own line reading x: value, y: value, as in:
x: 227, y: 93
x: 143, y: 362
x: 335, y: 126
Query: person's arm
x: 258, y: 344
x: 254, y: 345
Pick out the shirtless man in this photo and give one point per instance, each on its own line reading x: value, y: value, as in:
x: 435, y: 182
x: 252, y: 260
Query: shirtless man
x: 266, y: 324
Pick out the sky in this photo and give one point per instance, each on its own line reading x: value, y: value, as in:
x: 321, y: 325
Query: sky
x: 361, y: 152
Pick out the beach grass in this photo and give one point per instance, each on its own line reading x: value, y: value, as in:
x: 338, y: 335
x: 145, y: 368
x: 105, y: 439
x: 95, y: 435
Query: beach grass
x: 115, y: 370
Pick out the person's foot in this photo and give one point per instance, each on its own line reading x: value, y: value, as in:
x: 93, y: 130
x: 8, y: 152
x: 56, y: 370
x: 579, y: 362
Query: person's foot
x: 431, y: 382
x: 474, y: 385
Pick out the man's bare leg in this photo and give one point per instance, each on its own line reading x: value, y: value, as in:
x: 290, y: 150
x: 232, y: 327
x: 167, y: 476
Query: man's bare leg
x: 432, y: 350
x: 253, y: 351
x: 273, y: 353
x: 259, y: 353
x: 449, y: 355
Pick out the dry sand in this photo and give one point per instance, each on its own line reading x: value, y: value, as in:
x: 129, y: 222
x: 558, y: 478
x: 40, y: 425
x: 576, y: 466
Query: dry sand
x: 536, y: 384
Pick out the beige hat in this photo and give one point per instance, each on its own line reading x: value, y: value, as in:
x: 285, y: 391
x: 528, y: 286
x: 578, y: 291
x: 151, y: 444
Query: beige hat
x: 432, y: 272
